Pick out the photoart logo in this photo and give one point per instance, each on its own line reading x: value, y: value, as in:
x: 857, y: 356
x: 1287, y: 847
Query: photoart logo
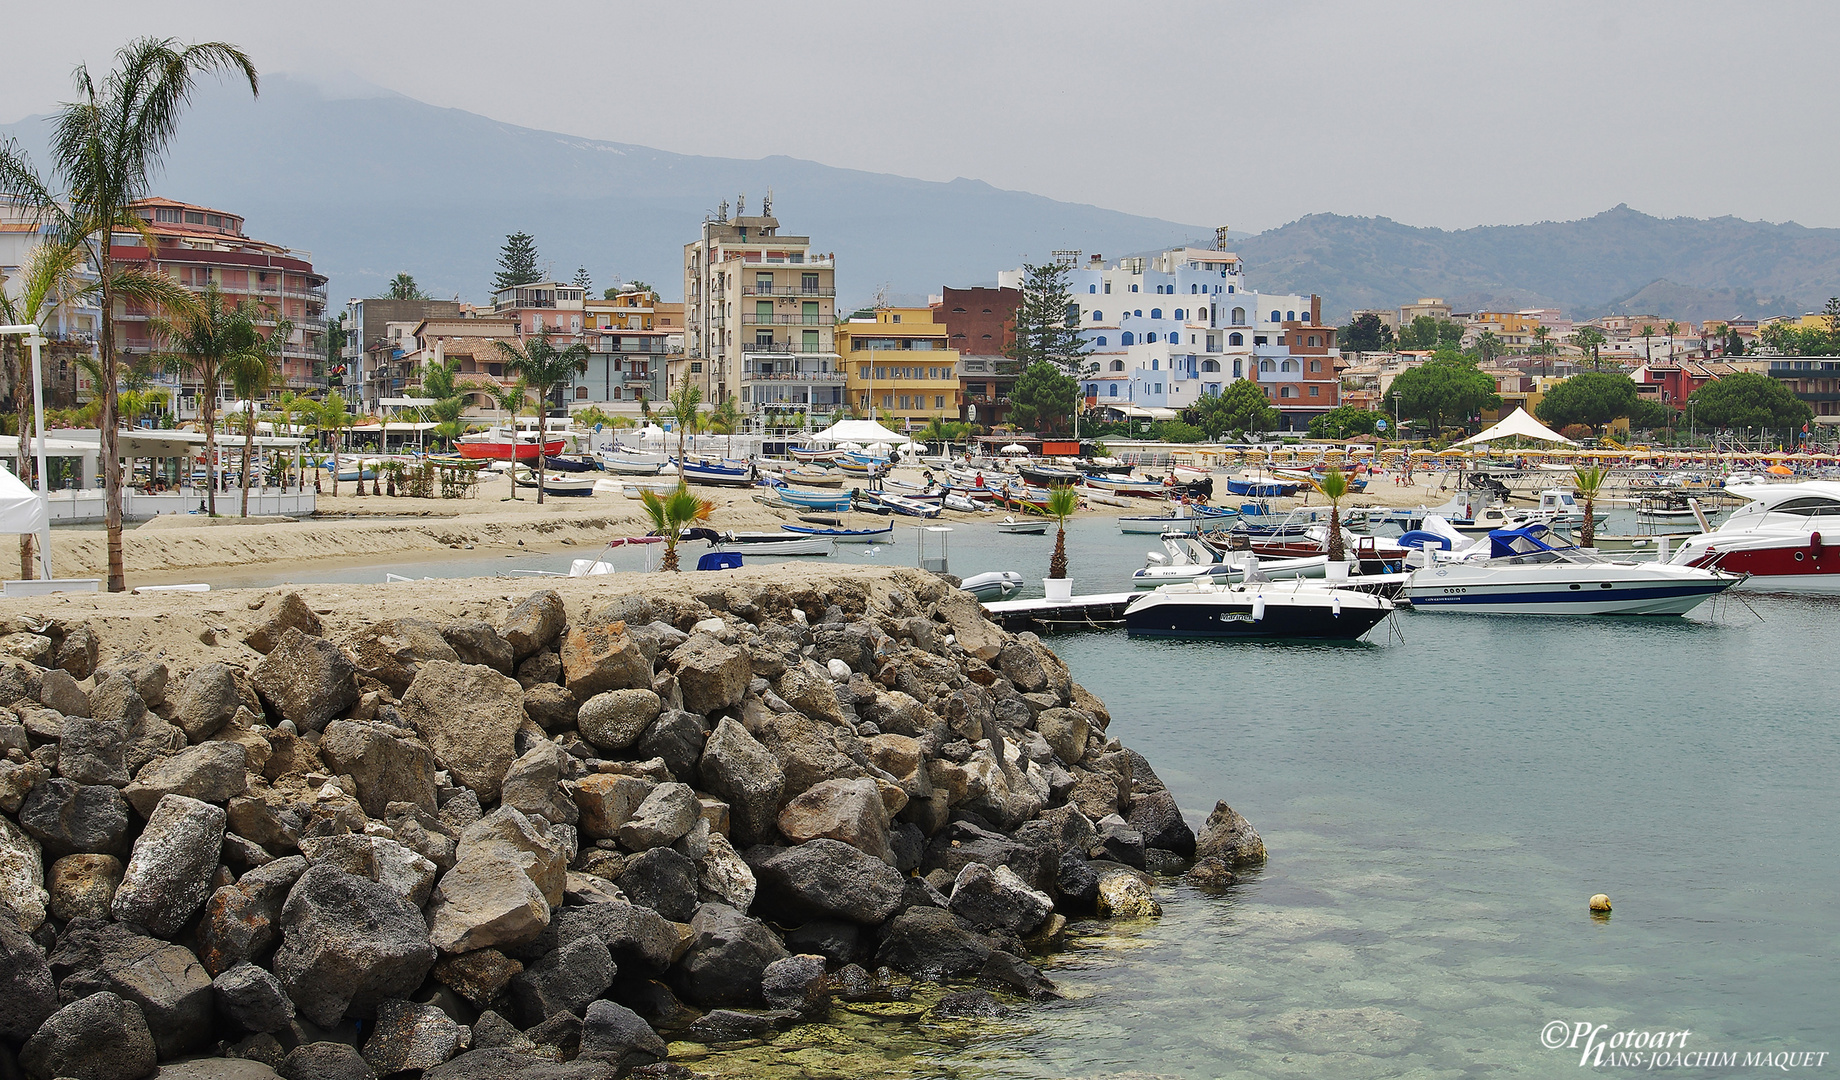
x: 1600, y: 1048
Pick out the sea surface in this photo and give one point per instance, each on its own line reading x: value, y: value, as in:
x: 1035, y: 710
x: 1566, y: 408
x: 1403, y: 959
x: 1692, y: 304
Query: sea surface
x: 1439, y: 803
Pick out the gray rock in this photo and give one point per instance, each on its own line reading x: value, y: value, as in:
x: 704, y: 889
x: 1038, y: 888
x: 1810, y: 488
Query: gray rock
x: 479, y: 977
x: 166, y: 981
x: 551, y: 707
x: 1119, y: 842
x: 998, y: 900
x: 252, y: 998
x: 487, y: 900
x: 711, y: 674
x: 1013, y: 973
x: 976, y: 1004
x: 614, y: 720
x: 99, y: 1037
x: 824, y: 879
x: 1155, y: 815
x: 387, y: 767
x: 347, y: 945
x: 616, y: 1032
x: 738, y: 769
x: 147, y: 678
x: 1211, y: 873
x: 93, y: 751
x: 662, y: 880
x: 929, y: 942
x: 19, y: 680
x: 541, y: 667
x: 728, y: 955
x: 68, y: 818
x: 834, y: 940
x: 475, y: 641
x: 728, y: 1026
x: 59, y: 692
x: 808, y: 688
x: 411, y: 1036
x: 504, y: 831
x: 606, y: 801
x: 402, y: 870
x: 534, y: 624
x: 352, y: 853
x: 533, y: 784
x: 495, y: 1064
x: 242, y: 920
x: 168, y: 877
x: 22, y: 877
x: 213, y: 772
x: 289, y: 613
x: 851, y: 811
x: 325, y: 1061
x: 566, y: 980
x: 1230, y: 837
x: 1066, y: 731
x: 797, y: 983
x: 392, y: 651
x: 207, y: 701
x: 597, y: 657
x: 666, y: 814
x: 677, y: 738
x: 470, y: 716
x: 257, y: 1056
x: 27, y: 993
x: 723, y: 876
x: 638, y: 937
x: 17, y: 779
x: 76, y: 654
x: 307, y: 680
x: 83, y: 886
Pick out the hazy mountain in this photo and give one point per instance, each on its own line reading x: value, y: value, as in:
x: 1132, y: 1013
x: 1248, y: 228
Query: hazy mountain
x: 374, y: 183
x: 1619, y: 260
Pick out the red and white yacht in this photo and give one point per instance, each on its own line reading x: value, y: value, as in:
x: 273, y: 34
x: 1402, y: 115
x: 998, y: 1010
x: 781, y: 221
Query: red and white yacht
x: 1787, y: 538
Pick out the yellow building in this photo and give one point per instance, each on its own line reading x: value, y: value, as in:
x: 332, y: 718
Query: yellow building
x: 899, y: 364
x: 1514, y: 329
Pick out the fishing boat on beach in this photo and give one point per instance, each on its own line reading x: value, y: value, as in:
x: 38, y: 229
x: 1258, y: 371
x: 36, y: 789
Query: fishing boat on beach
x: 725, y: 474
x: 814, y: 500
x: 842, y: 535
x: 576, y: 486
x: 501, y: 444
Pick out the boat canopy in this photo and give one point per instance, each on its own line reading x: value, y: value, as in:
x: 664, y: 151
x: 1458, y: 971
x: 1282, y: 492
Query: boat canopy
x: 1526, y: 540
x: 1517, y: 424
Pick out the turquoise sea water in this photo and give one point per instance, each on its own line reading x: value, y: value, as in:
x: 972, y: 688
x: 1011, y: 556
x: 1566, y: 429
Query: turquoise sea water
x: 1438, y: 810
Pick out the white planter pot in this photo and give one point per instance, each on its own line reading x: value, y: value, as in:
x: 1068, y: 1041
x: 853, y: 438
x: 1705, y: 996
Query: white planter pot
x: 1336, y: 571
x: 1057, y: 589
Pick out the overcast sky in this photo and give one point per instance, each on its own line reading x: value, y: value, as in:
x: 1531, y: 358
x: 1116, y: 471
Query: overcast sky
x: 1250, y: 114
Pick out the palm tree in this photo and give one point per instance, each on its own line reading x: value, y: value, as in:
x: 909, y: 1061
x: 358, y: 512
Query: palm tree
x: 935, y: 432
x: 199, y: 340
x: 726, y: 420
x: 1590, y: 339
x: 548, y: 370
x: 1334, y: 486
x: 288, y: 406
x: 1673, y: 331
x: 1061, y: 503
x: 671, y: 514
x: 252, y: 369
x: 682, y: 408
x: 1589, y: 482
x: 333, y: 414
x: 511, y: 399
x: 1648, y: 331
x: 106, y: 147
x: 52, y: 276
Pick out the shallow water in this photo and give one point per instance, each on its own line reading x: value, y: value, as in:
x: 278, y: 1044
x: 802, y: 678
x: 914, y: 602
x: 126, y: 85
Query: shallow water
x: 1437, y: 811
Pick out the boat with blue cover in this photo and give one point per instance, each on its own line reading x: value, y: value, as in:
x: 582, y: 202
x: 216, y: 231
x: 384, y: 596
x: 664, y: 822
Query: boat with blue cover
x: 1524, y: 571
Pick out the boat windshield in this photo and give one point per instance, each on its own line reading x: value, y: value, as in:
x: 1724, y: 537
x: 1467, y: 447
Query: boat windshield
x: 1533, y: 544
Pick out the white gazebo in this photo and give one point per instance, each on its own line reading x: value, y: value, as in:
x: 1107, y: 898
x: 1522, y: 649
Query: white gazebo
x: 1517, y: 424
x: 858, y: 431
x: 22, y: 511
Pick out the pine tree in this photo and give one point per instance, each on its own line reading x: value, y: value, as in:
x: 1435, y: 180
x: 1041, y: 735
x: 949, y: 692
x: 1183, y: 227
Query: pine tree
x: 1047, y: 322
x: 517, y: 262
x: 582, y: 279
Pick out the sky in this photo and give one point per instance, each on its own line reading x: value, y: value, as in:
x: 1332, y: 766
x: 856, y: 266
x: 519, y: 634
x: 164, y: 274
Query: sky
x: 1250, y: 114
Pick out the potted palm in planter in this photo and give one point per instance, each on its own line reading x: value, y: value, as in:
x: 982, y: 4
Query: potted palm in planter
x: 1589, y: 482
x: 1062, y: 502
x: 1334, y: 486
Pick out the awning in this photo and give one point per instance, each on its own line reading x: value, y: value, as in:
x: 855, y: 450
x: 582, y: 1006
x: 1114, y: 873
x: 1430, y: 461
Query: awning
x: 1518, y: 424
x: 861, y: 431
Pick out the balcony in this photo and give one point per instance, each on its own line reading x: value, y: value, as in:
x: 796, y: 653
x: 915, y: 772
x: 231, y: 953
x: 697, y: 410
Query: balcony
x: 752, y: 319
x: 829, y: 377
x: 786, y: 348
x: 748, y: 289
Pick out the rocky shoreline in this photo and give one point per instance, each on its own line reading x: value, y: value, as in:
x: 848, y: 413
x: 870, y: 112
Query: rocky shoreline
x: 545, y: 843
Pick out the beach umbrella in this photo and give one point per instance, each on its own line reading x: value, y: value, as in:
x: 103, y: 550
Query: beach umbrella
x: 880, y: 447
x: 849, y: 446
x: 1452, y: 452
x: 1014, y: 448
x: 1780, y: 470
x: 1423, y: 453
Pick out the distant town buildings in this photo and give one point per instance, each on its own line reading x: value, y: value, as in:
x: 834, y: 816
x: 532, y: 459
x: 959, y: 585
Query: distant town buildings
x: 900, y: 366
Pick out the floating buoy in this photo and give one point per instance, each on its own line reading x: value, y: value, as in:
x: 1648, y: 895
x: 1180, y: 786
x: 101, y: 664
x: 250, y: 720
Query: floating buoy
x: 1600, y: 904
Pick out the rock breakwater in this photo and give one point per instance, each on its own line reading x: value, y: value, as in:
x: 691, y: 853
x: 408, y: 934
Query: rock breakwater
x: 546, y: 843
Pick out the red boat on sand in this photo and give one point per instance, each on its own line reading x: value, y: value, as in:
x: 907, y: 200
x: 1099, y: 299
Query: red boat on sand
x: 499, y: 450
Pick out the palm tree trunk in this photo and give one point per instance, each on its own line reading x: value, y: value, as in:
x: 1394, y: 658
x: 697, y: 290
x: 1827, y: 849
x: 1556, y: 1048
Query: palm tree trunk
x: 1589, y: 532
x: 1336, y: 551
x: 670, y: 555
x: 210, y: 450
x: 25, y: 557
x: 337, y: 429
x: 249, y: 448
x: 1057, y: 566
x: 111, y: 440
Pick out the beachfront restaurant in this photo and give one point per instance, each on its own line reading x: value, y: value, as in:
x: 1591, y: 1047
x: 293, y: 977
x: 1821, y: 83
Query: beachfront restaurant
x: 165, y: 471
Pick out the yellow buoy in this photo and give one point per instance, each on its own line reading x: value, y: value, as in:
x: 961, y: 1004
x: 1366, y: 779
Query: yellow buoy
x: 1600, y: 903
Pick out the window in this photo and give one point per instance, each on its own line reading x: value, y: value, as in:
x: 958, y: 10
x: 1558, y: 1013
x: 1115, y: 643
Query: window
x: 1313, y: 391
x: 1291, y: 316
x: 1112, y: 390
x: 1125, y: 338
x: 1071, y: 317
x: 1236, y: 339
x: 1194, y: 288
x: 808, y: 283
x: 1156, y: 313
x: 1306, y: 316
x: 764, y: 282
x: 194, y: 217
x: 1275, y: 316
x: 1181, y: 313
x: 1092, y: 288
x: 939, y: 401
x: 1133, y: 287
x: 1287, y: 391
x: 1139, y: 313
x: 1097, y: 315
x: 1267, y: 365
x: 1154, y: 362
x: 1150, y: 337
x: 1239, y: 316
x: 1156, y: 388
x: 1314, y: 342
x: 1101, y: 341
x: 1092, y: 389
x: 696, y: 367
x: 1288, y: 365
x: 1259, y: 339
x: 1210, y: 365
x: 1236, y: 370
x: 1316, y: 365
x: 1118, y: 365
x: 1108, y: 288
x: 581, y: 393
x: 166, y: 215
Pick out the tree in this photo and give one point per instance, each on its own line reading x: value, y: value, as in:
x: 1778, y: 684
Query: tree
x: 1060, y: 504
x: 1540, y: 334
x: 726, y: 420
x: 1589, y: 481
x: 52, y: 275
x: 1445, y: 388
x: 1651, y: 415
x: 1673, y: 330
x: 1242, y: 406
x: 582, y: 280
x: 1589, y: 339
x: 671, y: 514
x: 1425, y: 332
x: 1591, y: 397
x: 1344, y: 421
x: 335, y: 351
x: 1047, y: 322
x: 1334, y: 486
x: 334, y: 415
x: 1789, y: 340
x: 403, y: 287
x: 517, y: 262
x: 1488, y: 346
x: 1045, y: 393
x: 1648, y: 331
x: 549, y: 370
x: 511, y: 398
x: 681, y: 407
x: 199, y: 341
x: 1367, y: 333
x: 252, y: 369
x: 1747, y: 399
x: 1176, y: 431
x: 106, y: 147
x: 1734, y: 342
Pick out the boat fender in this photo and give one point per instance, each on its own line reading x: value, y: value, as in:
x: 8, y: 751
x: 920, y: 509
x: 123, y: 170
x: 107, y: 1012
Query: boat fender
x: 1258, y: 608
x: 1335, y: 605
x: 1814, y: 544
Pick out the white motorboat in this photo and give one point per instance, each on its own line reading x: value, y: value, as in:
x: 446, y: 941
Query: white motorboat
x: 1523, y: 572
x: 1025, y: 527
x: 774, y: 544
x: 1183, y: 557
x: 996, y: 585
x: 1778, y: 538
x: 1259, y: 610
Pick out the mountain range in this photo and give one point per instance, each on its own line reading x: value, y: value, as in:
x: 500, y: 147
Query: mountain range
x: 374, y: 182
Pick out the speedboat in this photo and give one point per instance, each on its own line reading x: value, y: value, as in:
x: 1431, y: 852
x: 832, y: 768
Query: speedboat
x: 554, y: 483
x: 996, y: 585
x: 1524, y: 572
x: 1778, y: 538
x: 1207, y: 608
x: 1183, y: 557
x: 760, y: 543
x: 1025, y: 527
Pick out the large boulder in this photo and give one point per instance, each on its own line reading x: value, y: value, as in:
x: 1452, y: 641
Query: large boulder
x: 93, y: 750
x: 22, y: 877
x: 713, y: 675
x: 166, y: 981
x: 598, y: 657
x: 1229, y: 836
x: 69, y: 818
x: 411, y: 1036
x: 615, y: 1032
x: 475, y: 641
x: 638, y: 937
x: 723, y: 876
x: 242, y: 920
x: 168, y: 877
x: 664, y: 880
x: 533, y: 784
x: 470, y: 716
x: 252, y: 998
x: 975, y: 633
x: 614, y: 720
x: 392, y: 651
x: 534, y: 624
x: 808, y: 688
x: 307, y: 680
x: 824, y: 879
x: 728, y: 955
x: 1125, y: 894
x: 76, y: 654
x: 676, y: 738
x: 851, y: 811
x: 387, y: 766
x: 929, y: 942
x: 505, y: 830
x: 489, y: 899
x: 213, y: 772
x: 606, y: 801
x: 289, y: 613
x: 566, y: 980
x: 737, y: 768
x: 207, y: 701
x: 666, y: 814
x: 348, y: 944
x: 325, y: 1061
x: 27, y: 993
x: 1155, y: 815
x: 99, y: 1037
x: 998, y: 900
x: 1065, y: 731
x: 83, y: 886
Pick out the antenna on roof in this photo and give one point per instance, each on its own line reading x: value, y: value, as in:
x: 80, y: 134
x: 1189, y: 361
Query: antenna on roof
x: 722, y: 213
x: 1220, y: 238
x: 766, y: 204
x: 741, y: 205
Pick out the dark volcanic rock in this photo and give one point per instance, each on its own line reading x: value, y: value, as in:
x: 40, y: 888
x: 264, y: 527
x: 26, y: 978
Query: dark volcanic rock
x: 166, y: 981
x: 100, y: 1037
x: 253, y: 998
x: 1231, y: 837
x: 67, y: 818
x: 737, y: 768
x: 824, y: 879
x: 619, y: 1033
x: 534, y: 624
x: 27, y: 993
x: 1155, y: 815
x: 563, y: 981
x: 308, y: 680
x: 325, y: 1061
x: 664, y: 880
x: 929, y: 942
x: 347, y: 944
x: 411, y: 1036
x: 728, y: 954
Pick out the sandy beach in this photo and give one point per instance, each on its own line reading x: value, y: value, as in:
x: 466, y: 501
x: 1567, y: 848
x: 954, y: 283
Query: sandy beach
x: 357, y: 529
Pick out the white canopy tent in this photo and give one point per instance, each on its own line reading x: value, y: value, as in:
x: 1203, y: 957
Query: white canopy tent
x: 1517, y: 424
x: 22, y: 511
x: 858, y: 431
